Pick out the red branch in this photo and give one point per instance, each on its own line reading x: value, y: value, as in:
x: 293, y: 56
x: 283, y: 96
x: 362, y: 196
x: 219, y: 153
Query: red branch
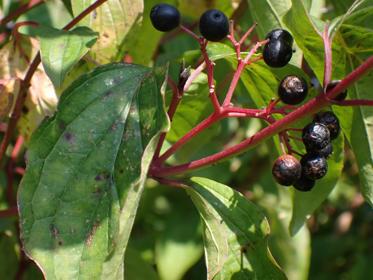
x: 11, y: 212
x: 21, y: 10
x: 310, y: 107
x: 25, y: 83
x: 328, y: 57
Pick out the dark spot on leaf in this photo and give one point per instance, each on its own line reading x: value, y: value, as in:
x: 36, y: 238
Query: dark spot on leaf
x: 102, y: 176
x: 53, y: 230
x: 25, y: 110
x: 105, y: 35
x: 60, y: 243
x: 68, y: 137
x: 121, y: 171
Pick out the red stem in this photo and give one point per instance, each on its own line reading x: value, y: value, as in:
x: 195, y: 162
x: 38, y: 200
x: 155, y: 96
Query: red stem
x: 176, y: 98
x: 10, y: 171
x: 310, y: 107
x: 328, y: 57
x: 10, y: 212
x: 20, y: 10
x: 25, y: 83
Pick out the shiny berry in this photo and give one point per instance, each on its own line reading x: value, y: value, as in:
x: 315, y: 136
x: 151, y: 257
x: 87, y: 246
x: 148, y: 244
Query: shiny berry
x: 316, y: 136
x: 331, y: 121
x: 214, y: 25
x: 325, y: 152
x: 164, y: 17
x: 314, y: 166
x: 292, y: 90
x: 277, y: 53
x: 304, y: 184
x: 286, y: 170
x: 280, y: 34
x: 342, y: 95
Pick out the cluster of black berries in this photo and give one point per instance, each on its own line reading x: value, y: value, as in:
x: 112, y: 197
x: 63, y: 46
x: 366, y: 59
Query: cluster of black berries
x: 213, y: 24
x: 317, y: 137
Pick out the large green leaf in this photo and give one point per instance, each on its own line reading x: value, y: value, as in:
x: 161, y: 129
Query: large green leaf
x: 112, y: 20
x: 235, y: 233
x: 179, y: 243
x: 136, y: 268
x: 356, y: 122
x: 268, y: 14
x: 308, y: 38
x: 61, y: 50
x: 86, y: 170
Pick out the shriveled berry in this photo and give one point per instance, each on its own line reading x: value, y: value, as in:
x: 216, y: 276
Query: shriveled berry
x: 316, y: 136
x: 342, y: 95
x: 325, y: 152
x: 314, y: 166
x: 304, y: 184
x: 292, y: 90
x: 286, y: 170
x: 331, y: 121
x: 164, y: 17
x: 277, y: 53
x: 214, y: 25
x: 280, y: 34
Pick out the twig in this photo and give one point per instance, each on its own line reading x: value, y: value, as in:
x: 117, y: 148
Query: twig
x: 25, y: 83
x: 21, y: 10
x: 328, y: 57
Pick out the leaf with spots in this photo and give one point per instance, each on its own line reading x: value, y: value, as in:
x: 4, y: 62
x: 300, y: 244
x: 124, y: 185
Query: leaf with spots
x: 235, y: 233
x: 86, y: 168
x: 112, y: 20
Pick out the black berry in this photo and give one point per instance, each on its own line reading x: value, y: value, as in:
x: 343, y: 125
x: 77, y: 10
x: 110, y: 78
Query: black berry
x: 277, y: 53
x: 325, y: 152
x: 292, y: 90
x: 286, y: 170
x: 280, y: 34
x: 304, y: 184
x: 342, y: 95
x: 316, y: 136
x: 164, y: 17
x: 214, y: 25
x: 331, y: 121
x: 314, y: 166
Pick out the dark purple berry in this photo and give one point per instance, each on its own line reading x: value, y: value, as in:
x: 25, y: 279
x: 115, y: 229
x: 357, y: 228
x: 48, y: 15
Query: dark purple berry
x: 314, y: 166
x: 280, y: 34
x: 331, y: 121
x: 342, y: 95
x: 304, y: 184
x: 277, y: 53
x: 214, y: 25
x: 164, y: 17
x: 316, y: 136
x: 325, y: 152
x: 286, y: 170
x: 292, y: 90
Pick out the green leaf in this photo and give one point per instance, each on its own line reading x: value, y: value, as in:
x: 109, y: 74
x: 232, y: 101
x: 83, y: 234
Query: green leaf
x: 305, y: 203
x: 308, y: 38
x: 136, y: 268
x: 195, y: 8
x: 268, y: 14
x: 235, y: 233
x: 61, y: 50
x: 112, y: 20
x: 179, y: 243
x: 86, y: 170
x: 8, y: 254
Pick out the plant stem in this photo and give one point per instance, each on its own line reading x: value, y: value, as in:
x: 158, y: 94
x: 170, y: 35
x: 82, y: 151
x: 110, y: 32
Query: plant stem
x: 20, y: 10
x: 10, y: 212
x: 328, y: 57
x: 310, y: 107
x: 25, y: 83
